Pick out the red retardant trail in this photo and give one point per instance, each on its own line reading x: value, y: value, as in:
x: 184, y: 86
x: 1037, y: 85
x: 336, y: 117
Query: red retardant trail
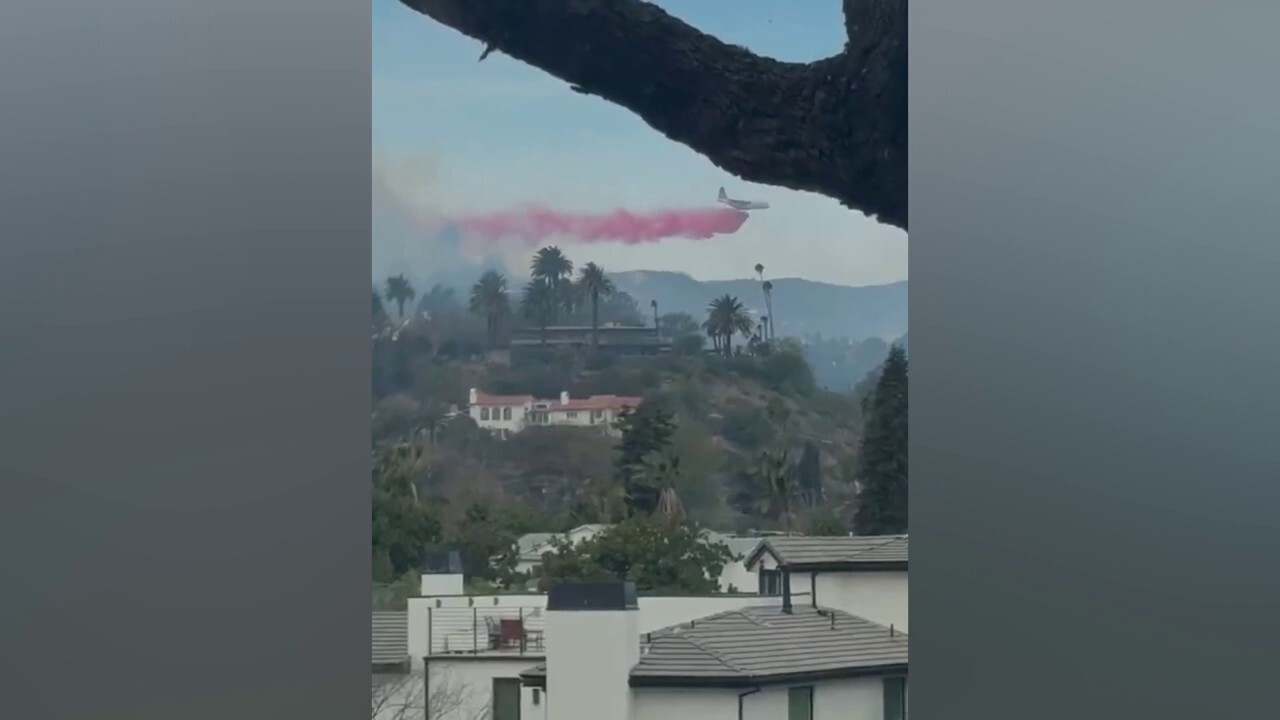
x: 535, y: 225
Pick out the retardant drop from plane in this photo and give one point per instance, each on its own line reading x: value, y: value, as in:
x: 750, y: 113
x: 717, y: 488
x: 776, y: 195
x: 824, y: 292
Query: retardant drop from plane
x: 535, y: 225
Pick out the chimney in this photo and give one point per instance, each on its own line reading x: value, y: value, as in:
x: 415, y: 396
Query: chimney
x: 472, y: 396
x: 593, y: 641
x: 786, y: 591
x: 441, y: 573
x: 564, y: 397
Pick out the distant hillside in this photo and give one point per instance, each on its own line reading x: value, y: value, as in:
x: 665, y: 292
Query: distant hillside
x: 801, y: 307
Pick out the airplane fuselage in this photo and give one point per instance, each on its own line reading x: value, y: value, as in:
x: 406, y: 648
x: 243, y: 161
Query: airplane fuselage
x: 745, y: 205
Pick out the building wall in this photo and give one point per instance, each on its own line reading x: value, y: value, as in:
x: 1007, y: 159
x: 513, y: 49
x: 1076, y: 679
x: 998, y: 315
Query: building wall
x: 463, y: 689
x: 737, y: 575
x: 515, y: 424
x: 853, y: 699
x: 881, y: 597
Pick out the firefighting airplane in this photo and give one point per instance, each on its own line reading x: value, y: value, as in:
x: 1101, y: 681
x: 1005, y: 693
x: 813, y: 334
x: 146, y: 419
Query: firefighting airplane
x: 741, y: 204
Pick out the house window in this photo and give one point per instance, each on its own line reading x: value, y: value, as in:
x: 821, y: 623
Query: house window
x: 506, y: 413
x: 571, y: 415
x: 484, y: 413
x: 800, y: 703
x: 770, y: 582
x: 895, y: 698
x: 506, y: 699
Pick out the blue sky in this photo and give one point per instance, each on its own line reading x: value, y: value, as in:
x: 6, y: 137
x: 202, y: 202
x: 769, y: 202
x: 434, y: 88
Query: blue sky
x: 455, y: 136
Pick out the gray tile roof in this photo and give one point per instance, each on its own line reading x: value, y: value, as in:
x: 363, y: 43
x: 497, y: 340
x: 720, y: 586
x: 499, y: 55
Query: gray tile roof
x: 839, y: 550
x: 756, y: 644
x: 390, y: 637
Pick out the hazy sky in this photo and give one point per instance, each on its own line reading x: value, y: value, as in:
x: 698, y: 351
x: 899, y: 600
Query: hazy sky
x: 466, y: 136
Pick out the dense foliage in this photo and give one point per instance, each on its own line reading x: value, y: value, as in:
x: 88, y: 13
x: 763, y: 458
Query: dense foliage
x: 656, y: 556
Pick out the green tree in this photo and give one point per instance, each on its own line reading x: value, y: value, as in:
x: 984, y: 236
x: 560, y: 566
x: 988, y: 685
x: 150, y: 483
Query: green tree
x: 596, y: 285
x: 553, y: 268
x: 646, y: 432
x: 487, y: 544
x: 539, y: 305
x: 489, y: 299
x: 881, y: 471
x: 677, y: 325
x: 809, y: 474
x: 403, y: 527
x: 774, y: 479
x: 399, y: 291
x: 656, y: 556
x: 726, y: 317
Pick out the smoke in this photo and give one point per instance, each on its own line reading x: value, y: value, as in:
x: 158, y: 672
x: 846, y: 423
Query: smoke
x: 535, y: 225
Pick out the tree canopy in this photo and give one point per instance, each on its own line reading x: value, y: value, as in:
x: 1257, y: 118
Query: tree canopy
x: 881, y: 473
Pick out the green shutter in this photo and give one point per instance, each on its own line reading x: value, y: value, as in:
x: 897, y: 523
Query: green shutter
x: 895, y: 698
x: 800, y: 703
x: 506, y: 699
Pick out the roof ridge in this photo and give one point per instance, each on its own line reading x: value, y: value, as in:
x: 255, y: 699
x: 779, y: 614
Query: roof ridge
x: 712, y: 653
x: 877, y: 546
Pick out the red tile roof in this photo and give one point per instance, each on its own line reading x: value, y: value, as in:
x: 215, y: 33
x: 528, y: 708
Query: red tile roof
x: 483, y: 399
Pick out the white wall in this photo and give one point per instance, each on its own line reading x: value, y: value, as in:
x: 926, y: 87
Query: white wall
x: 519, y: 413
x: 589, y: 663
x: 432, y: 584
x: 464, y: 688
x: 880, y: 597
x: 737, y: 575
x: 854, y: 699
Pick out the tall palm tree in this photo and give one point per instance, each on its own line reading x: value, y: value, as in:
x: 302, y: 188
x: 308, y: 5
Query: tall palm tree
x: 539, y: 305
x: 662, y: 474
x: 726, y: 317
x: 768, y: 306
x: 551, y: 266
x: 399, y: 291
x: 654, y: 304
x: 489, y: 299
x: 596, y: 284
x: 760, y: 271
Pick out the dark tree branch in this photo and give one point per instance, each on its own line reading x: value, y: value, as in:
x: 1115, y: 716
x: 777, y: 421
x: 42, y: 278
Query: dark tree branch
x: 837, y: 126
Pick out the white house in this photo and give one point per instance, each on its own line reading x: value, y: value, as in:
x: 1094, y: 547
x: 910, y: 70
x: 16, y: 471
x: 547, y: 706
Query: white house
x: 532, y: 546
x: 507, y: 414
x: 865, y: 576
x: 772, y: 662
x: 736, y: 577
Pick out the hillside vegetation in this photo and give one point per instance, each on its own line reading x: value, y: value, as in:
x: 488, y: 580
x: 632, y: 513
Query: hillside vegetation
x: 734, y: 432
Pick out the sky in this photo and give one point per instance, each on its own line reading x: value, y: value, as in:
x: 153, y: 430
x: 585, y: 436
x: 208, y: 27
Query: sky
x: 455, y: 136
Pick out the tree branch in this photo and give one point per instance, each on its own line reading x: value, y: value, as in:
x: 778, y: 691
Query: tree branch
x: 837, y: 126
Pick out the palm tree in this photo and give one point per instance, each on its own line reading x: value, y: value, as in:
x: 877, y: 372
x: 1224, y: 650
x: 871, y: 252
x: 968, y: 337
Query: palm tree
x: 726, y: 316
x: 552, y: 266
x: 662, y: 474
x: 539, y: 305
x: 399, y: 291
x: 760, y: 271
x: 596, y: 284
x: 777, y: 487
x: 489, y: 298
x: 654, y: 304
x: 768, y: 307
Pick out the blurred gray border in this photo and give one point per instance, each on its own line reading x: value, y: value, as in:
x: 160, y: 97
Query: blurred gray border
x: 183, y: 510
x: 184, y: 502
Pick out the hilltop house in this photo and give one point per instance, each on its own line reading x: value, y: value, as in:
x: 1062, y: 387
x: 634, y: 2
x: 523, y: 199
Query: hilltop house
x: 754, y: 662
x: 507, y: 414
x: 865, y: 576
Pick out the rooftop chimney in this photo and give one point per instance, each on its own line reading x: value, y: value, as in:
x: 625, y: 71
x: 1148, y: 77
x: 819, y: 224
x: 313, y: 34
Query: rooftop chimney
x: 473, y: 396
x: 593, y: 641
x: 786, y: 591
x: 441, y: 573
x: 564, y: 397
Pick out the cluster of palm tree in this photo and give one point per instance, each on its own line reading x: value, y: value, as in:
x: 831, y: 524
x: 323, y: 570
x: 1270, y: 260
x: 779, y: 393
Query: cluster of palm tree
x: 551, y: 291
x: 727, y: 316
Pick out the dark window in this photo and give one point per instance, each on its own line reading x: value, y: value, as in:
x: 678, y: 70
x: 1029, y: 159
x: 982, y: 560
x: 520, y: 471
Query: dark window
x: 770, y: 582
x: 800, y: 703
x: 895, y: 698
x: 506, y: 413
x: 506, y: 699
x: 484, y: 413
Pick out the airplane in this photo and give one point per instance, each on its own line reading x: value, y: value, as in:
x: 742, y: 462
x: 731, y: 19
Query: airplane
x: 741, y: 204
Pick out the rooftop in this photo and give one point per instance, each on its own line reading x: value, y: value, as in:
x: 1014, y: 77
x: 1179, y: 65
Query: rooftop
x: 869, y: 551
x: 759, y: 645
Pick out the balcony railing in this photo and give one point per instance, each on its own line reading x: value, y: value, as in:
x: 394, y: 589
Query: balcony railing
x: 494, y: 630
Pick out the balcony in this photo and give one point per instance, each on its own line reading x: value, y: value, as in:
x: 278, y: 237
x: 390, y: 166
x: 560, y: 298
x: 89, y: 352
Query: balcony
x: 506, y: 630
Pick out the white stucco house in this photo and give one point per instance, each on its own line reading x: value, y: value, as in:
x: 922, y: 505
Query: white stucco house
x: 763, y: 662
x: 865, y: 576
x: 508, y: 414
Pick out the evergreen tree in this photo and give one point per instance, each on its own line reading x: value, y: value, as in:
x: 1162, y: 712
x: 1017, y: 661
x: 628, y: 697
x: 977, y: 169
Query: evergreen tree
x: 646, y: 433
x: 881, y: 473
x: 809, y: 474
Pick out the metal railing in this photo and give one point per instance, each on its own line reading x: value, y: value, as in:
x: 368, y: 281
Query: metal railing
x: 484, y: 631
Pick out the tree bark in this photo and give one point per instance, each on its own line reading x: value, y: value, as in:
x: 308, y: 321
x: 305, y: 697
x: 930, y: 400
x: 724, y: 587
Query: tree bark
x: 837, y: 126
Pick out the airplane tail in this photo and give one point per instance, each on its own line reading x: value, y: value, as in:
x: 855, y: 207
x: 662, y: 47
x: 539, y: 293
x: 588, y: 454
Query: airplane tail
x: 723, y: 195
